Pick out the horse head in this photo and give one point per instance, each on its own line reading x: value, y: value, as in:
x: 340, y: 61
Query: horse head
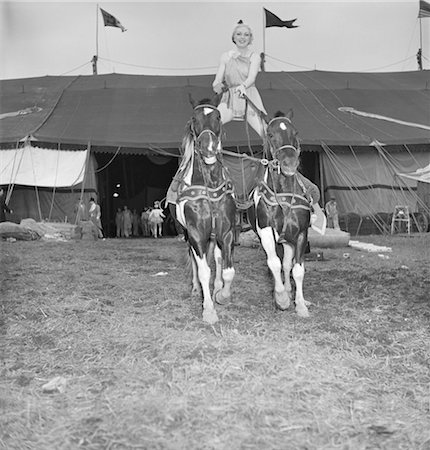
x: 283, y: 142
x: 206, y: 128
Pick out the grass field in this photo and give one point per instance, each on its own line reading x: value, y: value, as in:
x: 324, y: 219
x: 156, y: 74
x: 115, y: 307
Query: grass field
x: 142, y: 371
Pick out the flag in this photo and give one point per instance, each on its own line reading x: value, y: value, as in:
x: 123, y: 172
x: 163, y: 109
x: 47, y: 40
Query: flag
x: 111, y: 21
x: 424, y: 9
x: 275, y: 21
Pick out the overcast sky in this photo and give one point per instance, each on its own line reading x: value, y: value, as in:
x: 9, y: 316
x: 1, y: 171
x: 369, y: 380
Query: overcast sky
x: 166, y: 38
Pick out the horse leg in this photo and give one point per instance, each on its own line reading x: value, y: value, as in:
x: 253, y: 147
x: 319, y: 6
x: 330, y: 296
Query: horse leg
x: 204, y: 274
x: 195, y: 290
x: 287, y: 265
x: 218, y: 284
x: 223, y: 279
x: 298, y: 275
x: 282, y: 300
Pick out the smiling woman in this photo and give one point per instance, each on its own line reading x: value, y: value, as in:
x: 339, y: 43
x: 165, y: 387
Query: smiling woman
x: 238, y: 71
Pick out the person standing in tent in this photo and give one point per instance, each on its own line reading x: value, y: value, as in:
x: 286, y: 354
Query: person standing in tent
x: 332, y: 214
x: 95, y: 217
x: 119, y: 223
x: 238, y: 71
x: 156, y: 219
x: 127, y: 219
x: 3, y: 207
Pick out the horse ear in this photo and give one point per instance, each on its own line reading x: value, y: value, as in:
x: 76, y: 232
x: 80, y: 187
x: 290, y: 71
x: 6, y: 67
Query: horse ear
x: 290, y: 114
x: 192, y: 101
x: 216, y: 99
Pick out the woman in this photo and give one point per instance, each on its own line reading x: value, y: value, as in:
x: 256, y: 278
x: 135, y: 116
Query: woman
x: 238, y: 70
x: 156, y: 219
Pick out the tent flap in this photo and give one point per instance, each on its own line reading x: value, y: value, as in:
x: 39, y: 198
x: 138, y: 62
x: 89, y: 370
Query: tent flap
x: 32, y: 166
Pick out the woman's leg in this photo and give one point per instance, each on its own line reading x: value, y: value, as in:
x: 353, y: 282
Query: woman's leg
x: 256, y: 123
x: 226, y: 113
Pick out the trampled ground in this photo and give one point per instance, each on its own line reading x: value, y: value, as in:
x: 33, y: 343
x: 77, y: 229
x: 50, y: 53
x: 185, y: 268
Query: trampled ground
x: 142, y: 370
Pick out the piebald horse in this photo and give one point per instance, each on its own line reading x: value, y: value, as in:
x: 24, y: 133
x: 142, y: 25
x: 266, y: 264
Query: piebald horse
x: 282, y: 211
x: 206, y: 207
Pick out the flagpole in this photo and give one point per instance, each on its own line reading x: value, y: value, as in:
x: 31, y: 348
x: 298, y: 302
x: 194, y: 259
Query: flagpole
x: 264, y: 33
x: 97, y: 30
x: 96, y: 56
x: 263, y: 55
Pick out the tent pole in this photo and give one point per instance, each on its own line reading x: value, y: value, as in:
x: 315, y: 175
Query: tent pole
x: 321, y: 173
x: 84, y: 179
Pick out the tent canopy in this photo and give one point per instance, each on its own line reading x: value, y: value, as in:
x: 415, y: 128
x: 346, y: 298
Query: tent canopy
x: 139, y: 111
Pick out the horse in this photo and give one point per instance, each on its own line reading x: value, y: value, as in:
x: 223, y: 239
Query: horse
x: 205, y: 206
x: 281, y: 212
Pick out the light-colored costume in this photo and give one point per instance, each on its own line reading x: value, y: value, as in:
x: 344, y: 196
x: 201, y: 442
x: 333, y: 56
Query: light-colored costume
x: 156, y: 217
x: 236, y: 73
x: 95, y: 217
x: 127, y: 221
x: 332, y: 215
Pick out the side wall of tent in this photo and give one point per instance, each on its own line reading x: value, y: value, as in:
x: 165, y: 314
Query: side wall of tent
x: 45, y: 183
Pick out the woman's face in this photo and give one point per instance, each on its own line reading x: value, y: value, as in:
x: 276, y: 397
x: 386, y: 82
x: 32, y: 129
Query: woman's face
x: 242, y: 36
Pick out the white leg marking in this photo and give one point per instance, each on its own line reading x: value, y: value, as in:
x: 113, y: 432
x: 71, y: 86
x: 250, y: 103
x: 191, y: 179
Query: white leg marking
x: 274, y: 263
x: 218, y: 270
x: 287, y: 264
x: 196, y: 289
x: 204, y: 274
x: 298, y: 275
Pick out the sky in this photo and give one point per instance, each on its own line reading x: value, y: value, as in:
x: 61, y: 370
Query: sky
x: 187, y: 38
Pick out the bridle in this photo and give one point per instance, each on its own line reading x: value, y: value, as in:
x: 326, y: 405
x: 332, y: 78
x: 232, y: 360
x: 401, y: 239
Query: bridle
x: 271, y: 195
x: 196, y: 137
x: 286, y: 146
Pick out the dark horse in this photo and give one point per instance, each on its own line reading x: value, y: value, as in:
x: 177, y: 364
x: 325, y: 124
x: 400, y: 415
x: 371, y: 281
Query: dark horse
x: 205, y: 206
x: 282, y: 212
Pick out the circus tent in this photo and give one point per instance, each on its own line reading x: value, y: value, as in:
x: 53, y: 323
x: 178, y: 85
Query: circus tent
x: 357, y: 130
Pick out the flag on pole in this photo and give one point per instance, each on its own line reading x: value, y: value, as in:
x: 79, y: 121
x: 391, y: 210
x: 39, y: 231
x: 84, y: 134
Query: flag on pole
x: 275, y: 21
x: 424, y: 9
x: 111, y: 21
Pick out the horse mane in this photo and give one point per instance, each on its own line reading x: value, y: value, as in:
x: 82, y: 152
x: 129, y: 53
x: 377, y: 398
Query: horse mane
x: 279, y: 114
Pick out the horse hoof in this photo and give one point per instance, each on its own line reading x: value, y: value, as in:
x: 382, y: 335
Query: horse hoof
x: 302, y: 312
x: 210, y: 317
x: 220, y: 299
x: 282, y: 301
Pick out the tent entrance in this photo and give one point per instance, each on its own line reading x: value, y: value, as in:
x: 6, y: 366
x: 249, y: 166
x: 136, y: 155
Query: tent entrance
x: 132, y: 180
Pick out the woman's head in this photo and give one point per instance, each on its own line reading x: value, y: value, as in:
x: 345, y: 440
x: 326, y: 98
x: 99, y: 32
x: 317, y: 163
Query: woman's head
x: 242, y: 34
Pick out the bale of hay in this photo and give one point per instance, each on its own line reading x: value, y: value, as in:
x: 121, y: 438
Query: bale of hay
x: 331, y: 239
x: 19, y: 232
x: 68, y: 230
x: 89, y: 231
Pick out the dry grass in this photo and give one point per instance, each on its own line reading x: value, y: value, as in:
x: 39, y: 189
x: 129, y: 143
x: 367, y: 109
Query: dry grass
x: 144, y: 372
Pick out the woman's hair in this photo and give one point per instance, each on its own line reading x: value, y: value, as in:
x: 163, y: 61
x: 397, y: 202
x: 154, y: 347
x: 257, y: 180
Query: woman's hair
x: 240, y: 24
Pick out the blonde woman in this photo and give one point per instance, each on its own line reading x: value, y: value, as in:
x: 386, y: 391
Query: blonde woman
x: 238, y: 71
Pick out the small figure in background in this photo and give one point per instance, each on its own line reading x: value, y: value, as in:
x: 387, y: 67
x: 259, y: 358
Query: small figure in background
x: 95, y: 216
x: 81, y: 211
x: 3, y: 207
x: 119, y: 223
x: 135, y: 223
x: 332, y: 214
x: 145, y: 222
x: 127, y: 221
x: 156, y: 218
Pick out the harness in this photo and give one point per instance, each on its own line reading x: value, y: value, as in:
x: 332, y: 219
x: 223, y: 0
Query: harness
x: 214, y: 195
x: 286, y: 200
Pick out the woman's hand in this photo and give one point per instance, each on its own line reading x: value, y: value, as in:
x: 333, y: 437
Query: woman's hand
x: 218, y: 88
x: 241, y: 90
